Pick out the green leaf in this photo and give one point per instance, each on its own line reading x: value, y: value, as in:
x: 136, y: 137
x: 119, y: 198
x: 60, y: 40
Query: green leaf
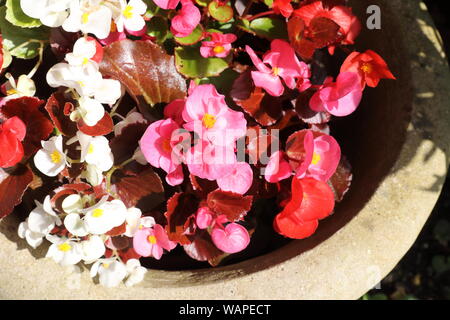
x: 203, y: 3
x: 193, y: 38
x: 270, y: 28
x: 191, y: 64
x: 224, y: 82
x: 17, y: 17
x: 222, y: 13
x: 22, y: 43
x: 159, y: 28
x: 268, y: 3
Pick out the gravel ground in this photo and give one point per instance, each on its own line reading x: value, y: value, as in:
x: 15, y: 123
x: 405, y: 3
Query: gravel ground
x: 424, y: 272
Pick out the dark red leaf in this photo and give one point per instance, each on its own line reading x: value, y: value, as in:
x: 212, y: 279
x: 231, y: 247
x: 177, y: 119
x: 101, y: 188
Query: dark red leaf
x: 180, y: 208
x: 203, y: 249
x: 117, y: 231
x: 124, y: 145
x: 61, y: 41
x: 143, y: 190
x: 304, y: 111
x: 233, y: 206
x: 342, y: 179
x: 66, y: 190
x: 202, y: 187
x: 148, y: 73
x: 13, y: 184
x: 38, y: 126
x: 56, y: 106
x: 102, y: 128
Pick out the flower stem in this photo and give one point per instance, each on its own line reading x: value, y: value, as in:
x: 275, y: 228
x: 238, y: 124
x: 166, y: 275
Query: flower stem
x: 262, y: 14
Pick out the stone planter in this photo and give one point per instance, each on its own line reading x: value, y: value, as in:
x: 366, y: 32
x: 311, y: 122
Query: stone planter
x: 400, y: 140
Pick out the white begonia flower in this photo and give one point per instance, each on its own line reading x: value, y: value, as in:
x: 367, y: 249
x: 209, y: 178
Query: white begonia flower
x: 136, y: 272
x: 93, y: 249
x: 83, y: 52
x: 90, y: 110
x: 135, y: 221
x: 93, y: 175
x: 96, y: 151
x: 108, y: 91
x: 106, y: 216
x: 111, y: 272
x: 75, y: 225
x: 131, y: 15
x: 73, y: 203
x: 132, y: 117
x: 52, y: 13
x: 25, y: 87
x: 34, y: 239
x: 43, y: 219
x: 64, y: 251
x: 51, y: 159
x: 89, y: 16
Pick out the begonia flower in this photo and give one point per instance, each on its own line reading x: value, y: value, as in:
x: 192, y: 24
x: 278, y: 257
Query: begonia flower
x: 105, y: 216
x: 284, y: 64
x: 135, y: 220
x: 52, y: 13
x: 278, y: 168
x: 92, y: 174
x: 283, y: 7
x: 167, y: 4
x: 96, y: 151
x: 12, y: 133
x: 131, y: 15
x: 150, y: 242
x: 157, y: 145
x: 339, y: 98
x: 90, y: 110
x: 92, y: 249
x: 64, y: 251
x: 204, y: 217
x: 232, y: 238
x: 110, y: 271
x: 238, y: 180
x: 369, y: 65
x: 51, y: 159
x: 186, y: 20
x: 76, y: 225
x: 219, y: 46
x: 85, y: 50
x: 24, y: 87
x: 174, y: 110
x: 135, y: 272
x: 207, y: 114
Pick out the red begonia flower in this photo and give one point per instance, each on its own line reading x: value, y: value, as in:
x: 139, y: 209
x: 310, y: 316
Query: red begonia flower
x: 12, y: 132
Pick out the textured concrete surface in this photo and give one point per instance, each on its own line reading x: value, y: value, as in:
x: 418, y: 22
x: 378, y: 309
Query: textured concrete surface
x: 400, y: 153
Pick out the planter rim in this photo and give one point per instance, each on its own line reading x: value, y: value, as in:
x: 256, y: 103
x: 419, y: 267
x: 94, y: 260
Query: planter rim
x: 337, y: 268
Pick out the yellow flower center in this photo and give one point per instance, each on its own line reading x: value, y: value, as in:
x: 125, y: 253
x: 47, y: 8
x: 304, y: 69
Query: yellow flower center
x: 113, y: 27
x: 219, y: 49
x: 55, y: 156
x: 106, y: 265
x: 128, y: 12
x: 64, y: 247
x: 367, y: 67
x: 90, y: 149
x: 316, y: 158
x: 81, y: 83
x: 85, y: 61
x: 11, y: 91
x: 85, y: 18
x: 276, y: 71
x: 152, y: 239
x: 209, y: 120
x: 97, y: 213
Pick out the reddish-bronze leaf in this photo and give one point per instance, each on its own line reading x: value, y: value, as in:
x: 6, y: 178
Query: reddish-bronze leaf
x: 264, y: 108
x: 342, y: 179
x: 143, y: 190
x: 61, y: 41
x: 233, y: 206
x: 102, y: 128
x: 148, y: 73
x: 117, y: 231
x: 13, y: 184
x: 124, y: 145
x: 202, y: 187
x: 66, y: 190
x: 38, y: 126
x: 180, y: 208
x: 304, y: 111
x: 203, y: 249
x: 56, y: 106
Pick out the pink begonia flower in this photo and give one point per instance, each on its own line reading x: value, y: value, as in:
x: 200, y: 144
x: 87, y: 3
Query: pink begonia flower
x: 239, y: 180
x: 208, y: 161
x: 167, y: 4
x: 278, y: 168
x: 219, y: 46
x: 174, y: 110
x: 157, y: 145
x: 186, y: 20
x: 284, y: 63
x: 150, y: 242
x: 231, y: 239
x: 339, y: 98
x: 204, y: 218
x: 207, y: 114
